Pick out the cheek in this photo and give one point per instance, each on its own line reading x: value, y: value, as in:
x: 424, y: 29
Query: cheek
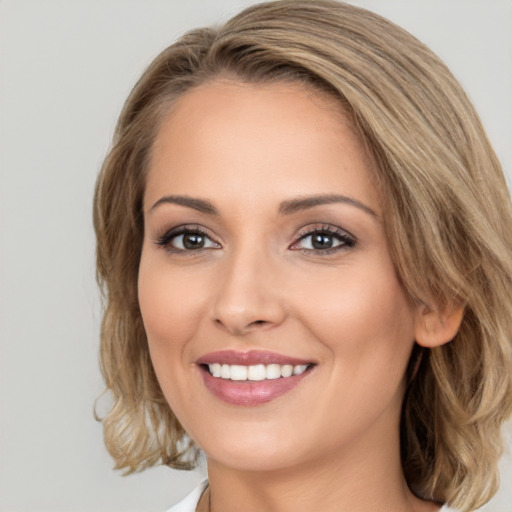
x: 362, y: 316
x: 171, y: 309
x: 366, y: 327
x: 168, y: 303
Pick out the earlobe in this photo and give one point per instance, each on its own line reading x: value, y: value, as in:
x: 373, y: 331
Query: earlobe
x: 433, y: 328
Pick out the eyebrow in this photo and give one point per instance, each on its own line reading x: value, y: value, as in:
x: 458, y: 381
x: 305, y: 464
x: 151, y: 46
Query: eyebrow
x: 201, y: 205
x: 303, y: 203
x: 288, y: 207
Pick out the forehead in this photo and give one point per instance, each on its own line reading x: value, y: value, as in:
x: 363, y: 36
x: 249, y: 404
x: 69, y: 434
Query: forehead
x: 228, y: 139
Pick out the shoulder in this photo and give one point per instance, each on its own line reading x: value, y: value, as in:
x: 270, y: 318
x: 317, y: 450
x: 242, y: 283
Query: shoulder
x: 189, y: 502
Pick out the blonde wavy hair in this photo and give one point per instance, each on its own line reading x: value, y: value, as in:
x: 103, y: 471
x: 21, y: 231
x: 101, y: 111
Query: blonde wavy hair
x: 448, y: 222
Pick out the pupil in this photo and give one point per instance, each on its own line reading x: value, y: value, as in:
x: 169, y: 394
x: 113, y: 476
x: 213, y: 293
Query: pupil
x: 322, y: 241
x: 192, y: 241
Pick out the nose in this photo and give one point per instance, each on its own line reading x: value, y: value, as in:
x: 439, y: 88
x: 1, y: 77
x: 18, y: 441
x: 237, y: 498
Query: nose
x: 248, y: 297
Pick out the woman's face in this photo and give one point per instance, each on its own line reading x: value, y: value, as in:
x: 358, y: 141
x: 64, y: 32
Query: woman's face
x: 265, y: 255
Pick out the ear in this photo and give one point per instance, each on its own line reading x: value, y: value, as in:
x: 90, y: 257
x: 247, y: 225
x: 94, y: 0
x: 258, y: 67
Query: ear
x: 433, y: 328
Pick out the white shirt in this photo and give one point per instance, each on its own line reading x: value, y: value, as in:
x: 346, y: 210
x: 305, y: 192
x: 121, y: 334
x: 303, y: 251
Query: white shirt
x: 189, y: 503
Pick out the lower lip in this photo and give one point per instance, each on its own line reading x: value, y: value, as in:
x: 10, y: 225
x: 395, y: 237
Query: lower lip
x: 250, y: 393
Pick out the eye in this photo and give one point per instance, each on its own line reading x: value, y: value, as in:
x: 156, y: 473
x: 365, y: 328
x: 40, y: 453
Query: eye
x: 187, y: 239
x: 324, y: 240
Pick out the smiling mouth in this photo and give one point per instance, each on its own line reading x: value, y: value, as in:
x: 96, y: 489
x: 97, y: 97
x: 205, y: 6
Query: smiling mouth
x: 251, y: 378
x: 254, y: 373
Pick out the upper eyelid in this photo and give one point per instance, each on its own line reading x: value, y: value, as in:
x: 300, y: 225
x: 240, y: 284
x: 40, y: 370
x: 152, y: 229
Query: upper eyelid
x: 176, y: 231
x: 345, y: 237
x: 333, y: 230
x: 184, y: 228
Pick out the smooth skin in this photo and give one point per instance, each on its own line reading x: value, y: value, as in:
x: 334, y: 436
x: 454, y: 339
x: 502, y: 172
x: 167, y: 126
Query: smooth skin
x: 259, y: 268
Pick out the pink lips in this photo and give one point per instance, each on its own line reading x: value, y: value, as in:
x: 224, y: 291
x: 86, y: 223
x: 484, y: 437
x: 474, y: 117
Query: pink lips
x: 249, y: 393
x: 249, y: 358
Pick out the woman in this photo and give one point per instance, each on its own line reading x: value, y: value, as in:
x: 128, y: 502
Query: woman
x: 305, y: 242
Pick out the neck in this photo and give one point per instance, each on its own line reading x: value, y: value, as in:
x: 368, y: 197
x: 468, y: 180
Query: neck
x: 364, y: 478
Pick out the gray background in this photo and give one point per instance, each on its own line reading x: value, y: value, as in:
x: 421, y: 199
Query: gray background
x: 65, y: 68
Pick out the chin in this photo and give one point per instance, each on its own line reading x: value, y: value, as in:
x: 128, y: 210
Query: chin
x: 249, y: 460
x: 257, y: 449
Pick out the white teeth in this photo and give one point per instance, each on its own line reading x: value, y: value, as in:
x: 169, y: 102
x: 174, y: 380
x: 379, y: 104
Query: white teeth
x: 286, y: 370
x: 273, y: 371
x: 238, y: 372
x: 300, y: 368
x: 225, y: 372
x: 255, y: 372
x: 215, y: 369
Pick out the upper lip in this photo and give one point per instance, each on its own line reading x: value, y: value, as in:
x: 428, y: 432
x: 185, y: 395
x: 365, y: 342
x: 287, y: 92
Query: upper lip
x: 249, y: 358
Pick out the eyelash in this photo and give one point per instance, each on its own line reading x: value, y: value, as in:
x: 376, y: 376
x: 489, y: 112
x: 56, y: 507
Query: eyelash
x: 166, y: 239
x: 346, y: 240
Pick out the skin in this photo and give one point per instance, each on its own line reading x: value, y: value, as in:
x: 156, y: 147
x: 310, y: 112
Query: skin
x: 332, y: 442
